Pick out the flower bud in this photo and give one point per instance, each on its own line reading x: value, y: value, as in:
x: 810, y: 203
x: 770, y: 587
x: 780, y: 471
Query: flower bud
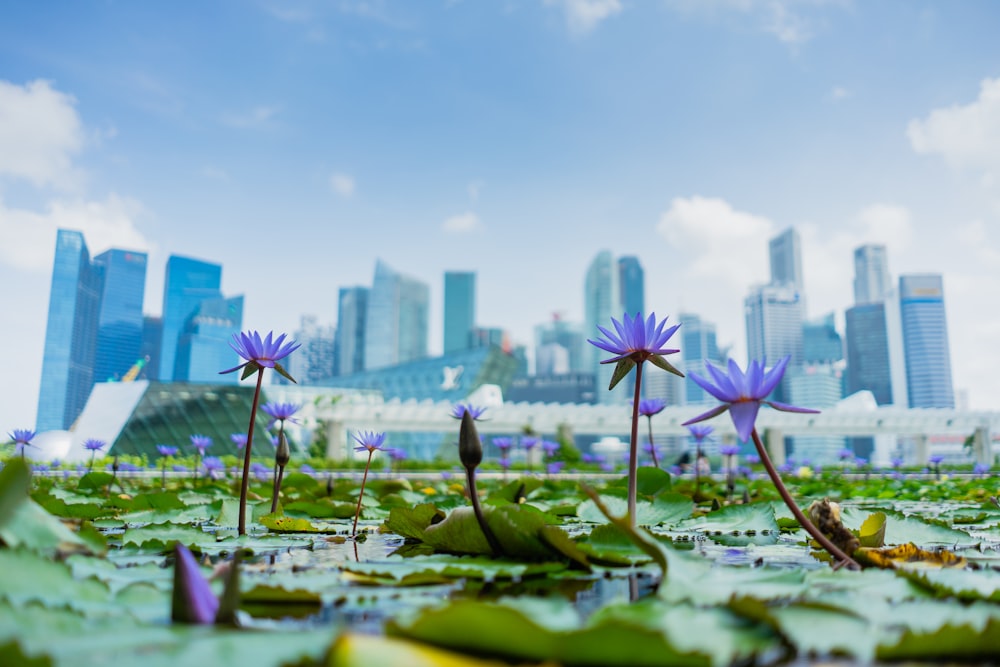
x: 282, y: 454
x: 470, y: 449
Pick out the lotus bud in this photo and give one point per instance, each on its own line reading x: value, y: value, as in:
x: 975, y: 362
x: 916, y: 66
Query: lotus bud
x: 282, y: 454
x: 470, y: 448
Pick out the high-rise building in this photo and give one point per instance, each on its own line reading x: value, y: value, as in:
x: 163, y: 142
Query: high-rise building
x: 871, y: 274
x: 632, y: 285
x: 925, y: 341
x: 397, y: 324
x: 188, y: 283
x: 786, y: 259
x: 774, y: 315
x: 816, y: 386
x: 94, y: 329
x: 152, y: 337
x: 601, y: 302
x: 559, y: 348
x: 119, y: 319
x: 203, y: 348
x: 698, y: 345
x: 868, y: 361
x: 315, y: 359
x: 352, y: 312
x: 459, y: 310
x: 821, y: 343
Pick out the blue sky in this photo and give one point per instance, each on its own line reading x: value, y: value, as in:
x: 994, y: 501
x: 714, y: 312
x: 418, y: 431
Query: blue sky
x: 296, y: 142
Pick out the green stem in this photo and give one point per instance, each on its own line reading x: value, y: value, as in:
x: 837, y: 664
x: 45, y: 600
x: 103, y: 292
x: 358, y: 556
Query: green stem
x: 470, y: 478
x: 277, y: 489
x: 652, y: 447
x: 824, y: 541
x: 245, y: 487
x: 633, y: 459
x: 361, y: 493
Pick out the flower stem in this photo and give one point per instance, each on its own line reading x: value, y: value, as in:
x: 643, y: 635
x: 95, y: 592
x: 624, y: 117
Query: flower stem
x: 277, y: 488
x: 361, y: 493
x: 652, y: 447
x: 163, y: 477
x: 824, y: 541
x: 470, y: 478
x: 245, y: 487
x: 633, y: 459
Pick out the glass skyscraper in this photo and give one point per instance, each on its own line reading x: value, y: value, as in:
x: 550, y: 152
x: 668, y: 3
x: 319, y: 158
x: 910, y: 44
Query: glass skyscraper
x: 925, y: 341
x: 601, y: 302
x: 698, y: 345
x: 785, y: 252
x: 396, y: 327
x: 774, y: 315
x: 352, y: 313
x: 188, y: 283
x: 459, y: 310
x: 94, y: 327
x: 315, y: 359
x: 868, y: 364
x: 871, y: 274
x: 203, y: 347
x: 632, y: 285
x: 821, y: 343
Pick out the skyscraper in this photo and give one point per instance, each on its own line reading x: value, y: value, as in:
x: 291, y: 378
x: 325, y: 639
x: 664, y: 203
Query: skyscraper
x: 188, y: 283
x: 774, y: 315
x: 314, y: 360
x: 816, y: 386
x: 396, y: 327
x: 94, y: 329
x: 352, y: 312
x: 601, y: 302
x: 786, y: 259
x: 925, y: 341
x: 632, y: 285
x: 203, y: 348
x: 459, y: 310
x: 868, y: 364
x: 559, y: 347
x: 698, y: 345
x: 119, y: 319
x: 821, y: 343
x: 871, y: 274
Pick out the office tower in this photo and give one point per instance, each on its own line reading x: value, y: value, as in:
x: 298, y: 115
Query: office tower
x: 868, y: 362
x: 315, y: 358
x: 559, y: 347
x: 70, y: 334
x: 871, y: 274
x: 396, y: 326
x: 774, y: 315
x: 786, y: 259
x: 459, y: 310
x: 490, y: 336
x: 152, y: 337
x: 816, y: 386
x: 352, y: 312
x: 632, y: 285
x: 203, y: 347
x: 601, y: 302
x: 119, y: 319
x: 821, y: 343
x: 188, y: 283
x: 698, y: 344
x: 925, y: 341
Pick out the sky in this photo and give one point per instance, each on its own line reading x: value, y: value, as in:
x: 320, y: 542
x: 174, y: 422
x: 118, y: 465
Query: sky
x: 295, y: 142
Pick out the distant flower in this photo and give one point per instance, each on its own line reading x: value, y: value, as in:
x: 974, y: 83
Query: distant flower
x: 461, y: 408
x: 213, y: 465
x: 896, y: 462
x: 502, y: 443
x: 550, y: 447
x: 651, y: 406
x: 259, y: 470
x: 861, y: 462
x: 261, y: 353
x: 201, y: 443
x: 397, y: 454
x: 700, y: 432
x: 752, y: 459
x: 193, y: 599
x: 280, y: 412
x: 936, y: 459
x: 369, y: 440
x: 307, y: 469
x: 21, y: 437
x: 743, y: 393
x: 239, y: 439
x: 980, y: 468
x: 845, y: 454
x: 528, y: 443
x: 505, y: 463
x: 40, y: 467
x: 93, y: 445
x: 177, y: 467
x: 555, y: 467
x: 166, y: 450
x: 729, y: 450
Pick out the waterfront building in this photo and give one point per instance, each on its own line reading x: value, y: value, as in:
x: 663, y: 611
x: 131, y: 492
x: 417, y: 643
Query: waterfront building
x: 632, y: 285
x: 821, y: 342
x: 816, y: 386
x: 698, y: 345
x: 315, y: 359
x: 559, y: 347
x: 872, y: 283
x: 868, y: 361
x: 785, y: 253
x: 203, y: 348
x: 601, y: 302
x: 925, y: 341
x: 459, y: 310
x: 352, y: 313
x: 152, y: 337
x: 553, y: 388
x: 774, y: 315
x: 396, y: 327
x: 119, y: 316
x: 188, y: 283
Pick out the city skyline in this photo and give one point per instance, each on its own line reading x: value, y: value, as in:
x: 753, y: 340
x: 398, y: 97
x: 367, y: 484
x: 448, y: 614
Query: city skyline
x: 683, y: 135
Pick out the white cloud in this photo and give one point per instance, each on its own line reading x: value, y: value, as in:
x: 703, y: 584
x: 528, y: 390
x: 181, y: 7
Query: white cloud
x: 473, y: 189
x: 30, y: 236
x: 889, y: 224
x: 40, y: 132
x: 582, y: 16
x: 215, y: 174
x: 965, y: 136
x: 256, y: 117
x: 840, y: 93
x: 462, y: 223
x: 342, y: 184
x: 791, y: 21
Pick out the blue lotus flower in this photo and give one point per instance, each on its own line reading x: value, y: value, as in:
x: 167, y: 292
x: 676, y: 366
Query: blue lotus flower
x: 502, y: 443
x: 261, y: 353
x: 651, y: 406
x: 461, y: 408
x: 369, y: 440
x: 21, y: 437
x: 201, y: 443
x: 193, y: 599
x: 635, y: 341
x: 166, y: 450
x: 700, y: 432
x: 743, y: 393
x: 239, y: 439
x: 93, y: 445
x: 280, y: 412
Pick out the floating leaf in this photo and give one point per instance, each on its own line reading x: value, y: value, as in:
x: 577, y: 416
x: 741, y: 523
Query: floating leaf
x: 355, y: 650
x: 907, y: 555
x: 665, y: 510
x: 872, y: 531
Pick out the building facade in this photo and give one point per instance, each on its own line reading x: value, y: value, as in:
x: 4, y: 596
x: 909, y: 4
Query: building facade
x: 868, y: 362
x: 698, y: 345
x: 601, y: 302
x: 352, y: 313
x: 632, y: 285
x: 459, y: 310
x: 785, y: 254
x: 872, y: 283
x: 396, y: 327
x: 315, y: 359
x: 203, y: 348
x: 925, y: 341
x: 188, y: 283
x: 774, y: 316
x: 119, y: 318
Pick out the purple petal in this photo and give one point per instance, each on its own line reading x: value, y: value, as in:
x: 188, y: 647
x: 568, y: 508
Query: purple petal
x: 709, y: 387
x: 773, y: 377
x: 193, y: 600
x: 785, y: 407
x: 714, y: 412
x: 744, y: 415
x: 723, y: 383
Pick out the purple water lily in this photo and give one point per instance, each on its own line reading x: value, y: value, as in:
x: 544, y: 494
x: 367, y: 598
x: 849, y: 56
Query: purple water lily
x: 193, y: 599
x: 651, y: 406
x: 166, y: 450
x: 460, y: 409
x: 239, y: 439
x: 21, y: 438
x: 280, y: 412
x: 742, y: 393
x: 201, y: 443
x: 372, y: 442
